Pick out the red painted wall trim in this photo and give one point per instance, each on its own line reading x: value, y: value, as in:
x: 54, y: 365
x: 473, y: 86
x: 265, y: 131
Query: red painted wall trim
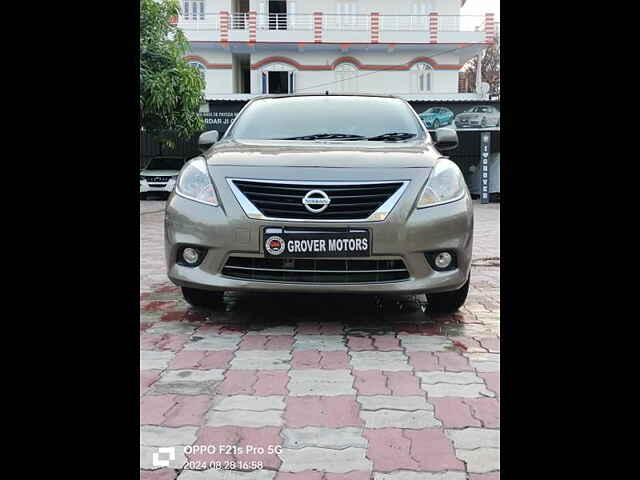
x: 209, y: 66
x: 405, y: 66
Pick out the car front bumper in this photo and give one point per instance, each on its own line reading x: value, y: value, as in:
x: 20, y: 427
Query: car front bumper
x: 146, y: 188
x: 400, y: 236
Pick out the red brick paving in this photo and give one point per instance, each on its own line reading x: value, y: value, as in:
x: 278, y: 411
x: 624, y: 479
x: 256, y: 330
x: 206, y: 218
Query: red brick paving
x: 432, y: 450
x: 454, y: 412
x: 332, y: 412
x: 389, y: 450
x: 371, y: 382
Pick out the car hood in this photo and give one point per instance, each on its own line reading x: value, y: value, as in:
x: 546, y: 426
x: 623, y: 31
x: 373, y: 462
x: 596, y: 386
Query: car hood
x: 159, y: 173
x: 330, y: 154
x: 469, y: 115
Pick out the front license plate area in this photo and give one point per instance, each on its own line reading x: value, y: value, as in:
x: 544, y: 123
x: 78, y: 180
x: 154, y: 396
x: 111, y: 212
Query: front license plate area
x: 301, y: 243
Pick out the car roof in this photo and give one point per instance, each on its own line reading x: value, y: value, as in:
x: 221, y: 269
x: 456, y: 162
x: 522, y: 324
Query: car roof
x: 297, y: 95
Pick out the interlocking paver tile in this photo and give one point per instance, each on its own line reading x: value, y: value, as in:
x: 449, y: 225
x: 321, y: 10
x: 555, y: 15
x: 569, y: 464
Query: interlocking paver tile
x: 423, y: 343
x: 458, y: 378
x: 172, y: 328
x: 320, y: 360
x: 218, y: 342
x: 248, y: 402
x: 147, y: 378
x: 324, y: 459
x: 323, y: 437
x: 162, y: 342
x: 472, y: 438
x: 425, y: 361
x: 485, y: 476
x: 266, y: 342
x: 484, y: 362
x: 480, y: 460
x: 188, y: 382
x: 389, y: 450
x: 153, y: 360
x: 202, y: 360
x: 403, y: 412
x: 244, y: 418
x: 453, y: 362
x: 273, y: 330
x: 372, y: 360
x: 420, y: 476
x: 320, y: 382
x: 454, y: 412
x: 371, y: 382
x: 227, y: 475
x: 261, y: 359
x: 492, y: 379
x: 162, y: 474
x: 331, y: 343
x: 403, y: 383
x: 433, y: 450
x: 473, y: 390
x: 487, y: 410
x: 320, y: 411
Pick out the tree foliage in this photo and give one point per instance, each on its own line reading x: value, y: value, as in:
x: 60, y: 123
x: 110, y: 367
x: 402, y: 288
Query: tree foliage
x: 490, y: 68
x: 170, y: 88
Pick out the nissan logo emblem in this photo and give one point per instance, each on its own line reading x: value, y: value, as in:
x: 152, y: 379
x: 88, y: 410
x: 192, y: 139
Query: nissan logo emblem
x: 317, y: 199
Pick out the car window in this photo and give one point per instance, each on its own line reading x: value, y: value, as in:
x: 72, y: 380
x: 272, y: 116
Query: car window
x: 165, y: 164
x: 281, y: 118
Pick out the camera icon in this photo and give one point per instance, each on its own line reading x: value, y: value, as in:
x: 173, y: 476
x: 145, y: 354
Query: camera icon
x: 171, y: 451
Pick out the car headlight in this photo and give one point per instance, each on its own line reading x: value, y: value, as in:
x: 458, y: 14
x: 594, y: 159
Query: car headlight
x: 445, y: 184
x: 141, y: 178
x: 194, y: 183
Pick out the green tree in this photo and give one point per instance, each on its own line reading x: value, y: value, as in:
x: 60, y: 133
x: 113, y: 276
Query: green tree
x: 170, y: 88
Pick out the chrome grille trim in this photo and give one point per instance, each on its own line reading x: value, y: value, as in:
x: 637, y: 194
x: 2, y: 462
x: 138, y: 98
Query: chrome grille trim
x: 378, y: 215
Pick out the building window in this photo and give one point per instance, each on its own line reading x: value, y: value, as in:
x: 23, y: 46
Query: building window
x: 193, y: 10
x: 346, y: 78
x: 201, y: 69
x: 278, y: 79
x: 423, y: 80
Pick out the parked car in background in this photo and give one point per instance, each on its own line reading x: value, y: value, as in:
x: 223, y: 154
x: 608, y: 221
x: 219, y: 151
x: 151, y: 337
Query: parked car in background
x: 436, y: 117
x: 478, y: 117
x: 159, y: 175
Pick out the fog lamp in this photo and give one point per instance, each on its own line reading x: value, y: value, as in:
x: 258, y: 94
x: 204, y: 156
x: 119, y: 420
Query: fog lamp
x: 443, y: 260
x: 190, y: 255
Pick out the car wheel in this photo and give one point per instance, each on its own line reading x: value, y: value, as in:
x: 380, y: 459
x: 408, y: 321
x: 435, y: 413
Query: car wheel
x: 202, y: 298
x: 436, y: 124
x: 447, y: 302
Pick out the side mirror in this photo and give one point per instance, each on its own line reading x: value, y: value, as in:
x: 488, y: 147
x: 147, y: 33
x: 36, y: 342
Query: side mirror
x: 207, y: 139
x: 446, y: 139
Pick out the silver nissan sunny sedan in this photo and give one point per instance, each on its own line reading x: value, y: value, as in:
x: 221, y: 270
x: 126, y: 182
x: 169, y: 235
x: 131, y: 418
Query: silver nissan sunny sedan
x: 322, y: 194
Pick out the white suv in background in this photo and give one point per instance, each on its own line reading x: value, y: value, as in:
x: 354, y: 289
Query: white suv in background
x: 160, y: 174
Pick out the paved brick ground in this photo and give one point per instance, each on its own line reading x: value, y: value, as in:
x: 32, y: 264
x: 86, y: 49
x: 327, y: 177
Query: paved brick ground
x: 342, y: 388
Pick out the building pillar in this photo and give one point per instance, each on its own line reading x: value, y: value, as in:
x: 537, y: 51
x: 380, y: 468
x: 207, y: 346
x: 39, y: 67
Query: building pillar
x: 317, y: 27
x: 375, y: 27
x: 224, y: 27
x: 252, y: 27
x: 489, y: 28
x: 433, y: 27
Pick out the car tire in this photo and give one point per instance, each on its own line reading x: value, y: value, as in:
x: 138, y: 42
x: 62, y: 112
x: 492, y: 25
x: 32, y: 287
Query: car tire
x: 436, y: 124
x: 448, y: 302
x: 202, y: 298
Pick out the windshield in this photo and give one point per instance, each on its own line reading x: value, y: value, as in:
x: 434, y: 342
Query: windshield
x: 317, y: 117
x: 481, y: 110
x: 165, y: 164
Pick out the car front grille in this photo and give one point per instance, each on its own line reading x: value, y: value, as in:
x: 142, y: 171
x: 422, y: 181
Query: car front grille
x: 303, y: 270
x: 349, y: 201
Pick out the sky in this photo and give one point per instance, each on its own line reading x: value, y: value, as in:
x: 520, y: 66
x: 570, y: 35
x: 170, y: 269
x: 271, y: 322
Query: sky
x: 480, y: 7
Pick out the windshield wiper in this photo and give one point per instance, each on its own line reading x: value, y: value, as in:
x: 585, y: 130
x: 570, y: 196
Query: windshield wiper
x: 392, y: 136
x: 321, y: 136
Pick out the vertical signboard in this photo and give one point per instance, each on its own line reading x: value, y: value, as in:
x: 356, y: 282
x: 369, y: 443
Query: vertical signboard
x: 485, y: 149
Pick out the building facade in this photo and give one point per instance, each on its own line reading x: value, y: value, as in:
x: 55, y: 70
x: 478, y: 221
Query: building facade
x: 410, y: 48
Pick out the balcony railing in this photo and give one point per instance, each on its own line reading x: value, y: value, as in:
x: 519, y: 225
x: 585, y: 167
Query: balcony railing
x: 376, y: 28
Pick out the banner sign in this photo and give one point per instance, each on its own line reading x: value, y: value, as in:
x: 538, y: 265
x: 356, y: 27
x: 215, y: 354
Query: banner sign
x: 485, y: 150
